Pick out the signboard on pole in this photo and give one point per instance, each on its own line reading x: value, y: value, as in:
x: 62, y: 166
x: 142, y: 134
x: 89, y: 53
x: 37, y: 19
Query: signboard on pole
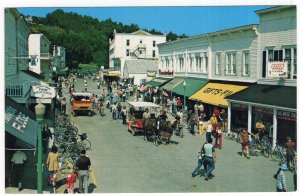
x: 277, y: 70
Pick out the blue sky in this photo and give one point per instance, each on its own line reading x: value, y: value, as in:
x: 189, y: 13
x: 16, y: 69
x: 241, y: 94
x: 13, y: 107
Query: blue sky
x: 190, y: 20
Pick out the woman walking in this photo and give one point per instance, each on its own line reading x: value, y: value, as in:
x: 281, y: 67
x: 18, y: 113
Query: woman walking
x: 52, y: 163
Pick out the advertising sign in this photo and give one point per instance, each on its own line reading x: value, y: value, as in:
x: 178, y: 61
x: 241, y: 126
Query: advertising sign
x: 277, y: 70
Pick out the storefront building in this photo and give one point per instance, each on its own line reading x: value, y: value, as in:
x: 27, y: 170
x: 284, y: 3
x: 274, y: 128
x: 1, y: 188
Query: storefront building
x: 276, y: 106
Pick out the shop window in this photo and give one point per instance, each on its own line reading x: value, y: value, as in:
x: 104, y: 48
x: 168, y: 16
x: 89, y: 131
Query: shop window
x: 127, y: 52
x: 230, y: 63
x: 246, y: 63
x: 218, y: 68
x: 153, y: 53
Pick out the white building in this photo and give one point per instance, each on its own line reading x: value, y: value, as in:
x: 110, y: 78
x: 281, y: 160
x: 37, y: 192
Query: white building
x: 38, y: 47
x: 132, y: 46
x: 278, y: 43
x: 140, y: 70
x: 17, y: 79
x: 59, y: 59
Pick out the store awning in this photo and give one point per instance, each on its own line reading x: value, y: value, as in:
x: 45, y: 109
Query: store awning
x: 192, y: 86
x: 215, y: 93
x: 158, y: 82
x: 172, y: 84
x: 268, y: 95
x: 20, y: 122
x: 112, y: 73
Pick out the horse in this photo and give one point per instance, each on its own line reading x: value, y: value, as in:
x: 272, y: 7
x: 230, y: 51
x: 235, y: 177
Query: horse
x: 150, y: 129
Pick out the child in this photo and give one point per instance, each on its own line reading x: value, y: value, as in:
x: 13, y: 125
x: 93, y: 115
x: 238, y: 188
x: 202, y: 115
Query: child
x: 71, y: 179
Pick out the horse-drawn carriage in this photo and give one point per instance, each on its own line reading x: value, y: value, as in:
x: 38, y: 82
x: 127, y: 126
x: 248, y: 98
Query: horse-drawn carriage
x: 154, y: 129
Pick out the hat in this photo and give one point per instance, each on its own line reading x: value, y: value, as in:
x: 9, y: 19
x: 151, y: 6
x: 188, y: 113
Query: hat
x: 284, y: 166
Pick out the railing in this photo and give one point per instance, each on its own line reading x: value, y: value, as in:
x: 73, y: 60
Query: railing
x: 16, y: 90
x: 46, y: 56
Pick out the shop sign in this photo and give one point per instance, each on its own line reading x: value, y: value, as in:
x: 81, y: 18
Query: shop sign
x: 277, y: 69
x: 151, y: 73
x: 18, y: 121
x: 216, y: 91
x: 285, y: 115
x: 43, y: 91
x: 238, y: 106
x: 261, y: 110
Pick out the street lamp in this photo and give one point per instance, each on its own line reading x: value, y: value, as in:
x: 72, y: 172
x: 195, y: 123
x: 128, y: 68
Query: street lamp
x: 184, y: 86
x: 40, y: 111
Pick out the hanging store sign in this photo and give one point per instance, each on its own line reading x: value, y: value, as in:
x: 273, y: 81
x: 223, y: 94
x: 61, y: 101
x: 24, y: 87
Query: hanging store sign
x: 261, y: 110
x: 43, y: 91
x: 238, y: 106
x: 284, y: 115
x: 277, y: 69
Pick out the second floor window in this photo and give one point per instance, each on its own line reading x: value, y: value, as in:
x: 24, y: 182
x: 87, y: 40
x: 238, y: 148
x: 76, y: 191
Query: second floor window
x: 127, y: 52
x: 246, y: 63
x: 230, y: 63
x: 153, y: 53
x: 127, y: 42
x: 218, y: 63
x: 154, y: 43
x: 197, y: 58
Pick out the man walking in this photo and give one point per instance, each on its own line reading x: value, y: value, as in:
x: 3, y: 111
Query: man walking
x: 209, y: 158
x: 18, y: 159
x: 83, y: 165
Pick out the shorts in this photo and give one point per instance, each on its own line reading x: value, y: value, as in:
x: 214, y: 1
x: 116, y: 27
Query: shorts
x: 245, y: 144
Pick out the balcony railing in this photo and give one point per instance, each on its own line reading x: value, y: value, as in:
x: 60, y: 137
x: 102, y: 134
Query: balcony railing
x: 46, y: 56
x: 17, y: 90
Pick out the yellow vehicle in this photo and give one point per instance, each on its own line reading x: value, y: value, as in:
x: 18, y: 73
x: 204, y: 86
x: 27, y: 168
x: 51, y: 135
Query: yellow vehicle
x: 81, y: 103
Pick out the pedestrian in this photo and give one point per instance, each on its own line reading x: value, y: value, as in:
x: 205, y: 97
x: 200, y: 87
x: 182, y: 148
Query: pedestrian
x: 290, y: 152
x: 85, y: 87
x: 223, y: 119
x: 280, y: 176
x: 179, y: 103
x: 98, y: 84
x: 18, y: 161
x: 101, y: 108
x: 114, y: 111
x: 200, y: 162
x: 63, y: 104
x: 209, y: 158
x: 124, y: 115
x: 46, y: 135
x: 201, y: 120
x: 52, y: 163
x: 244, y: 137
x: 96, y: 101
x: 219, y: 136
x: 71, y: 180
x: 192, y: 124
x: 83, y: 165
x: 208, y: 130
x: 119, y: 110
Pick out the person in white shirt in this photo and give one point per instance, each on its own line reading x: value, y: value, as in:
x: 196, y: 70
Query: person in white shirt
x: 18, y: 160
x: 208, y: 130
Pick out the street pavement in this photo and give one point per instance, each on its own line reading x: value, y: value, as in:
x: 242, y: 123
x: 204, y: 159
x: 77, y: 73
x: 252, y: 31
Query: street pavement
x: 127, y: 164
x: 122, y: 163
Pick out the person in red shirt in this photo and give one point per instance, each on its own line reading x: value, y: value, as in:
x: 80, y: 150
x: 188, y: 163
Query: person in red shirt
x: 216, y: 112
x: 290, y: 145
x: 179, y: 103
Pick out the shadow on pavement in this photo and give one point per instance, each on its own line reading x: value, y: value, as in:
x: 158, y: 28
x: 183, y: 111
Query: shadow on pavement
x: 91, y: 187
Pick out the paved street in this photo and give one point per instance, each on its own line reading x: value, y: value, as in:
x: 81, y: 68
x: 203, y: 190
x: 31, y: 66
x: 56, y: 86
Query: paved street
x: 125, y: 163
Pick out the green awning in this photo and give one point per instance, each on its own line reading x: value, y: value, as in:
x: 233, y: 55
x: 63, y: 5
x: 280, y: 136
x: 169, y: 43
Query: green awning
x: 192, y: 86
x: 20, y: 122
x: 158, y: 82
x: 172, y: 84
x: 269, y: 95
